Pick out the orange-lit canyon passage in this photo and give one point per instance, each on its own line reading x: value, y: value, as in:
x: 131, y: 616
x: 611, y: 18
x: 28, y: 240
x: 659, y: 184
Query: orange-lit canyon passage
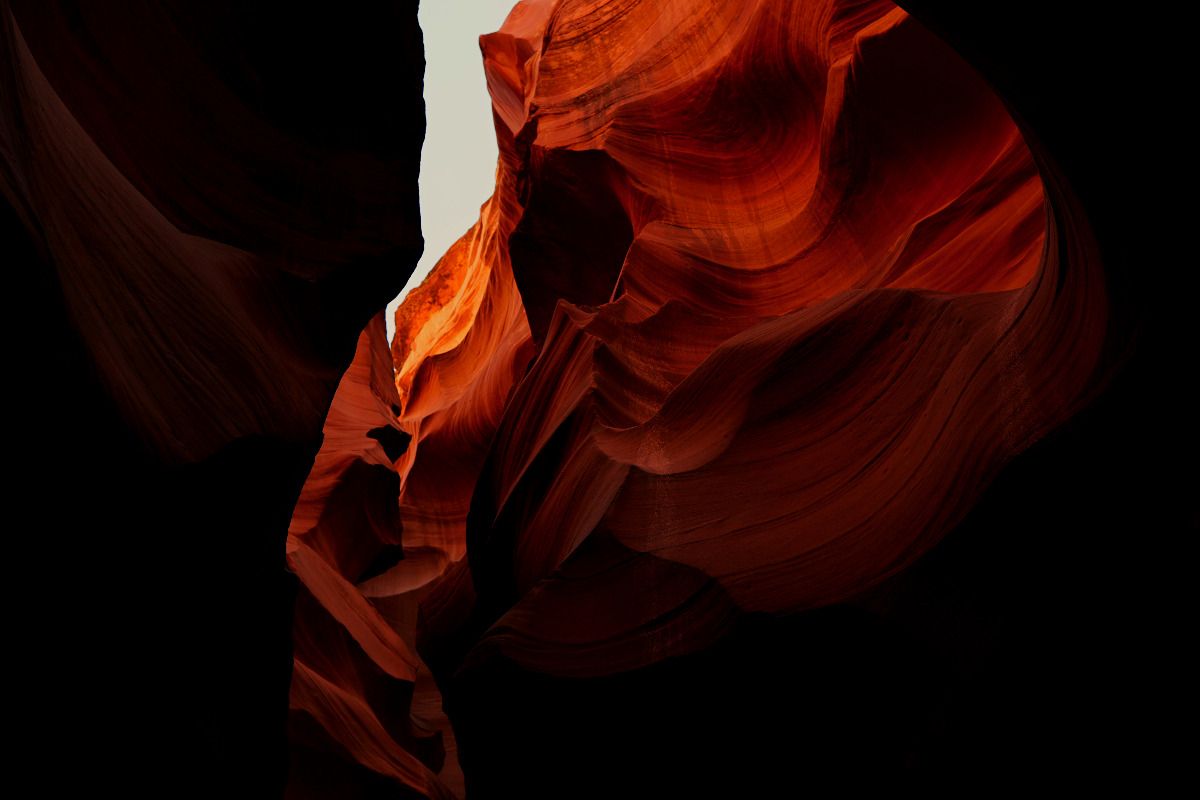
x: 794, y: 414
x: 765, y: 296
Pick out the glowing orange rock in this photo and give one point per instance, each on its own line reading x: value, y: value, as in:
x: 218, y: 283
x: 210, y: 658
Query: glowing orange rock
x: 766, y: 296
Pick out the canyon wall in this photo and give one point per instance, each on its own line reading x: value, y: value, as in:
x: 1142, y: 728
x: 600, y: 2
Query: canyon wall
x: 766, y: 297
x: 204, y: 204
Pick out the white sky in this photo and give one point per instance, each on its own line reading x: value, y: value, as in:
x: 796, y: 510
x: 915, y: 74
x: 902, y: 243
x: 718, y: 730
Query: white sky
x: 458, y: 160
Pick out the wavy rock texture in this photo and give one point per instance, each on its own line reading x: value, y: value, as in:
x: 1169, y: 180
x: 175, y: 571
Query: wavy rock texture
x: 211, y: 342
x: 766, y: 296
x: 206, y: 204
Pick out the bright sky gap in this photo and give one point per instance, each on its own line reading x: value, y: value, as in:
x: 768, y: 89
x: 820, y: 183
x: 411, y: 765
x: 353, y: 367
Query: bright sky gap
x: 458, y: 160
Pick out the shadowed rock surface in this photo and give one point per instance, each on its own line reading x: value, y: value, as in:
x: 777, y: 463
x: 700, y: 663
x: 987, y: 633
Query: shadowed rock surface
x: 203, y: 205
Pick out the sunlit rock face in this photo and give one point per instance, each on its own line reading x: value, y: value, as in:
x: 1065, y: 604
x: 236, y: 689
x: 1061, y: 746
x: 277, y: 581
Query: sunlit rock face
x: 767, y: 295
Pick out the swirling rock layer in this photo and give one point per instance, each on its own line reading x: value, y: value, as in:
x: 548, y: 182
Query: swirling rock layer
x: 202, y: 206
x: 766, y: 296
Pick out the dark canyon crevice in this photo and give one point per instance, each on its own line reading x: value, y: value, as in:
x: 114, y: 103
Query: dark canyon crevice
x: 204, y: 203
x: 796, y: 414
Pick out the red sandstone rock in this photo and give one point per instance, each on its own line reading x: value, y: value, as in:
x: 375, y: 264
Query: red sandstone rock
x: 766, y: 296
